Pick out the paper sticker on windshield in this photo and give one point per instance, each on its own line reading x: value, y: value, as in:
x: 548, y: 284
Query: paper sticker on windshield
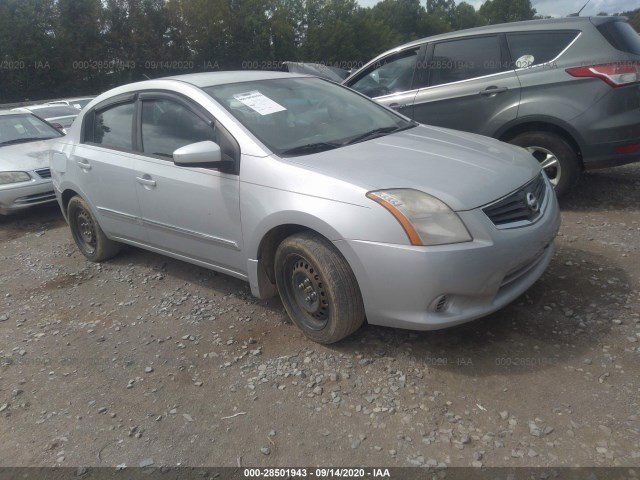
x: 258, y: 102
x: 525, y: 61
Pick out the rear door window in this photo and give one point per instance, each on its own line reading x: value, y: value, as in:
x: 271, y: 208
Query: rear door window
x: 459, y: 60
x: 621, y: 36
x: 536, y: 48
x: 112, y: 127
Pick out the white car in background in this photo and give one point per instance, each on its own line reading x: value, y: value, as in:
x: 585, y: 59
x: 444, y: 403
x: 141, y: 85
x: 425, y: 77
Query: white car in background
x: 78, y: 103
x: 60, y: 116
x: 25, y: 178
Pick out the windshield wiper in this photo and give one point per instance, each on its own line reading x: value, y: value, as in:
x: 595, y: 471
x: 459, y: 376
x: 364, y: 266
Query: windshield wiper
x: 311, y: 148
x: 377, y: 132
x: 24, y: 140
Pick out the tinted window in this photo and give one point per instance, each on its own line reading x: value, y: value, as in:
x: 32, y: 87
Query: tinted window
x: 621, y: 36
x: 113, y: 126
x: 168, y: 125
x: 390, y: 75
x: 536, y: 48
x: 464, y: 59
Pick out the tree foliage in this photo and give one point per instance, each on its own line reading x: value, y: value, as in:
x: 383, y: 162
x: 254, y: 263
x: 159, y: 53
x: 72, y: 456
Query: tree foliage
x: 503, y: 11
x: 56, y: 48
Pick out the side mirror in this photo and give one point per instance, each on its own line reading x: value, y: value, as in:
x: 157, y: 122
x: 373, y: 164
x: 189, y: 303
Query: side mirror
x: 202, y: 154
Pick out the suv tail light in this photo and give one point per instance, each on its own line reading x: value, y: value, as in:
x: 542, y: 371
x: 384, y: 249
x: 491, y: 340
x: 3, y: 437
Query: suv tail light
x: 615, y: 74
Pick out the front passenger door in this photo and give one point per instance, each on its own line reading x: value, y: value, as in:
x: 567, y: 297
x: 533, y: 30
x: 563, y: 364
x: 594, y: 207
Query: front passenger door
x: 187, y: 211
x: 393, y: 80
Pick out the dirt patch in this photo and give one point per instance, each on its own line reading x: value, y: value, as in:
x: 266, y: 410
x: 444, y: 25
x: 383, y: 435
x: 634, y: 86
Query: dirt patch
x: 145, y: 357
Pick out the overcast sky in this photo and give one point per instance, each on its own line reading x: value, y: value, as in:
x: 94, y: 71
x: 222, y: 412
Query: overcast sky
x: 558, y: 8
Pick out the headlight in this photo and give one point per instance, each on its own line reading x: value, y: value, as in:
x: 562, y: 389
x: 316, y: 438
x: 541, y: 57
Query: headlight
x: 425, y: 219
x: 13, y: 177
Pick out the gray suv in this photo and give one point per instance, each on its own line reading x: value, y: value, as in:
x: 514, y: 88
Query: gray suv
x: 568, y: 90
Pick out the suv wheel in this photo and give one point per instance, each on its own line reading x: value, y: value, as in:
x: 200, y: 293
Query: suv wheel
x: 558, y: 159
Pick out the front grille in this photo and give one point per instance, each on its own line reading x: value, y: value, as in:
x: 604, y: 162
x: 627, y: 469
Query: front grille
x: 524, y: 205
x: 44, y: 173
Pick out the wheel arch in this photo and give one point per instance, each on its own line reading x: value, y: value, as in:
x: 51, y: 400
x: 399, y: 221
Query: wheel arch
x: 65, y: 198
x: 542, y: 124
x: 261, y: 254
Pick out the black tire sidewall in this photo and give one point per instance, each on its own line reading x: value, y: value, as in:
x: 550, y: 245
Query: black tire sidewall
x: 346, y: 314
x: 564, y: 152
x: 105, y: 248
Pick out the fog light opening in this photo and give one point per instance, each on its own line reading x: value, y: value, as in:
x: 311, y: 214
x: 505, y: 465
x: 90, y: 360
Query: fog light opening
x: 440, y: 304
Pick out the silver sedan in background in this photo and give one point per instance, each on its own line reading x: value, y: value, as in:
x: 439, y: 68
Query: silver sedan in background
x: 25, y: 178
x: 305, y: 188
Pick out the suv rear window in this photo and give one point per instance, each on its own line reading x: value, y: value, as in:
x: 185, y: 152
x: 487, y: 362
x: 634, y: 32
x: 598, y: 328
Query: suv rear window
x: 542, y: 46
x: 621, y: 36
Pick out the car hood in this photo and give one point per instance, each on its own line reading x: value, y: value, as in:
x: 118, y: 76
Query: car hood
x: 25, y: 156
x: 463, y: 170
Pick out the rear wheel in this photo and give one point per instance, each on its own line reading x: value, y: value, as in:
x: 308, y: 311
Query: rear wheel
x: 557, y: 157
x: 318, y: 288
x: 87, y: 234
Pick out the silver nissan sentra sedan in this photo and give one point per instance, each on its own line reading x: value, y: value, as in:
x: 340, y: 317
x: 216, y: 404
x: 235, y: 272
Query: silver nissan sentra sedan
x: 305, y: 188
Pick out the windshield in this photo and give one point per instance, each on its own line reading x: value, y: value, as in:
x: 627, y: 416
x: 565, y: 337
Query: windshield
x: 299, y: 116
x: 24, y: 128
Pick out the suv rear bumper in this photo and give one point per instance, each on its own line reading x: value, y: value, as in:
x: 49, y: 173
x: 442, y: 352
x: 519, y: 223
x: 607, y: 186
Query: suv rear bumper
x: 612, y: 122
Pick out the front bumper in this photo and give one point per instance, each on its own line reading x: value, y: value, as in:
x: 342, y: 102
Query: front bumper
x: 17, y: 197
x: 427, y: 288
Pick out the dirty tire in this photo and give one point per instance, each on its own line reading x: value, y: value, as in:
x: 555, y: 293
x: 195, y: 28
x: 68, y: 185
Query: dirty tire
x: 318, y: 288
x: 561, y: 160
x: 87, y: 234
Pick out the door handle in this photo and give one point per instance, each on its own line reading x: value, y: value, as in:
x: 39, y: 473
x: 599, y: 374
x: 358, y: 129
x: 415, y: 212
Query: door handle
x: 397, y: 106
x: 493, y: 91
x: 146, y: 181
x: 83, y: 164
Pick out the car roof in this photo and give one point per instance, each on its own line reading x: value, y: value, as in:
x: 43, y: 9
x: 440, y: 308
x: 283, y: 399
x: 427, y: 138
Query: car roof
x: 528, y: 25
x: 210, y: 79
x: 10, y: 112
x: 42, y: 107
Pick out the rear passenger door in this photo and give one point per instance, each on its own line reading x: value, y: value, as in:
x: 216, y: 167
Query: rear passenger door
x: 106, y: 163
x: 470, y: 85
x: 546, y: 88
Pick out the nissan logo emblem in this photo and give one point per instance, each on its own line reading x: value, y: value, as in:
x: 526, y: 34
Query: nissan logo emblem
x: 532, y: 202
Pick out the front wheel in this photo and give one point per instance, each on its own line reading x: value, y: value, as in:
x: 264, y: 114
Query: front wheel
x: 556, y: 156
x: 318, y: 288
x: 87, y: 234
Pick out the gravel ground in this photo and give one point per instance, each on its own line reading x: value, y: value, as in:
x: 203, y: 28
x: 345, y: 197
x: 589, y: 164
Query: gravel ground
x: 145, y: 360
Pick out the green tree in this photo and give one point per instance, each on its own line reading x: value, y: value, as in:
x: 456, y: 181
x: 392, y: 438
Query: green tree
x: 465, y: 16
x: 503, y: 11
x: 634, y: 18
x: 27, y: 47
x: 403, y: 17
